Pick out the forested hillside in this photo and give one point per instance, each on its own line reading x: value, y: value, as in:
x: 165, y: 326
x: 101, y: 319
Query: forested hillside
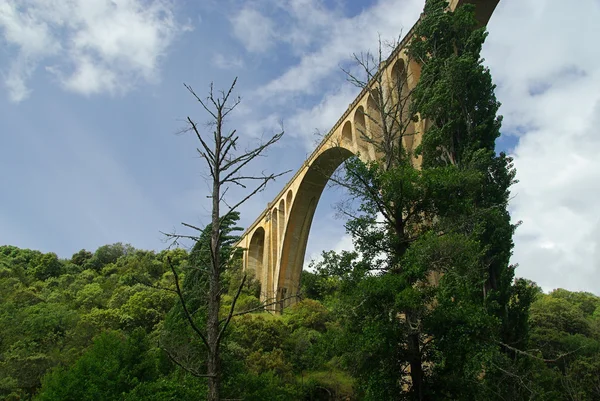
x: 428, y: 307
x: 103, y: 326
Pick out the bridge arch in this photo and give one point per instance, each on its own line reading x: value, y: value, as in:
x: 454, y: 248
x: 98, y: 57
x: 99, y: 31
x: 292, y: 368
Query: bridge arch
x: 256, y: 255
x: 347, y: 140
x: 360, y: 131
x: 399, y: 75
x: 400, y: 81
x: 288, y: 200
x: 301, y: 213
x: 281, y: 218
x: 374, y: 122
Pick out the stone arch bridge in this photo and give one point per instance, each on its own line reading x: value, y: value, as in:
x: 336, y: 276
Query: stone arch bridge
x: 275, y: 244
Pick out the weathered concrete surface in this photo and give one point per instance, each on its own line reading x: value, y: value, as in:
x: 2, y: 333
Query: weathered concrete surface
x: 276, y: 242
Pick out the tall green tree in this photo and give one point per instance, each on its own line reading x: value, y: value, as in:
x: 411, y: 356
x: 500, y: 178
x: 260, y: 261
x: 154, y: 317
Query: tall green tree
x: 433, y: 222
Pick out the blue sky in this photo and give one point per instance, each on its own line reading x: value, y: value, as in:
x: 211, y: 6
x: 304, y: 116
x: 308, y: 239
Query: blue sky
x: 92, y: 94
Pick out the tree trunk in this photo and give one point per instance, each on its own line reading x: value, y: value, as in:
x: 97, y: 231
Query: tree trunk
x: 214, y: 290
x: 214, y: 381
x: 213, y: 363
x: 416, y: 364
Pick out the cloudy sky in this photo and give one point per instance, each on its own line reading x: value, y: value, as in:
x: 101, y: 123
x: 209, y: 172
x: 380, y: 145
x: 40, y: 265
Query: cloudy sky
x: 92, y: 94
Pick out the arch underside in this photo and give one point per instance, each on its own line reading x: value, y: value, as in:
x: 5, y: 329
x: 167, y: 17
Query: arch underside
x: 256, y: 255
x: 300, y: 220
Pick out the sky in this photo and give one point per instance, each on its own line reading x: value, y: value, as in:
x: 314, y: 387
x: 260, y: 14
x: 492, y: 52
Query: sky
x: 92, y: 96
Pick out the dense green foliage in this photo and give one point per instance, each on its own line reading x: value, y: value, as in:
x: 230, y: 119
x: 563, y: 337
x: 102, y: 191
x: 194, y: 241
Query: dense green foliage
x: 108, y: 332
x: 559, y: 361
x: 50, y: 320
x: 88, y: 334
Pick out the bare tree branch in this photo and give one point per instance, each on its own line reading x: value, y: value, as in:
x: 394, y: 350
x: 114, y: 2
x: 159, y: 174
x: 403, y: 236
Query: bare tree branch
x: 184, y: 306
x: 179, y: 236
x: 266, y: 304
x: 233, y: 303
x: 191, y: 226
x: 191, y: 371
x: 209, y: 111
x: 521, y: 352
x: 258, y: 189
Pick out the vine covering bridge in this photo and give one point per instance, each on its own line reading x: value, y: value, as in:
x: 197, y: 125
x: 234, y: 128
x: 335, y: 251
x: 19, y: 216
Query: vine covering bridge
x: 275, y: 243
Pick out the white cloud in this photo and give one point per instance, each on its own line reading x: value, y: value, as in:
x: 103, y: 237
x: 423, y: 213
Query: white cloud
x: 548, y: 84
x: 15, y: 80
x: 226, y: 62
x: 333, y: 241
x: 345, y: 36
x: 34, y: 40
x: 89, y: 78
x: 557, y: 199
x: 92, y: 46
x: 322, y: 116
x: 24, y: 29
x: 254, y: 30
x: 261, y: 25
x: 323, y: 39
x: 308, y: 22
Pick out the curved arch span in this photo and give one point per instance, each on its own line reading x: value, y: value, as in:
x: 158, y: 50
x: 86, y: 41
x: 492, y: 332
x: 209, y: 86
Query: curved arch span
x: 301, y: 213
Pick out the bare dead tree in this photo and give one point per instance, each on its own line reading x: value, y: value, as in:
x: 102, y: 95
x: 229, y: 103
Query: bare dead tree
x: 391, y: 118
x: 390, y: 128
x: 227, y: 167
x: 390, y: 131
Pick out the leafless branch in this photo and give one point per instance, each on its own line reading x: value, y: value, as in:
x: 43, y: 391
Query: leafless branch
x: 241, y: 161
x: 256, y: 190
x: 191, y: 371
x: 519, y: 378
x: 265, y: 305
x: 179, y: 236
x: 226, y: 169
x: 192, y: 227
x: 233, y: 303
x: 184, y: 306
x: 554, y: 360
